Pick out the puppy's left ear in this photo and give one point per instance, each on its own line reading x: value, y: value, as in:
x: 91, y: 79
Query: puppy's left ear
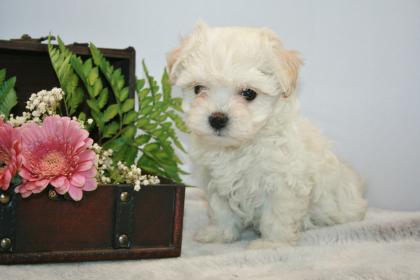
x: 288, y: 63
x: 175, y: 57
x: 291, y: 63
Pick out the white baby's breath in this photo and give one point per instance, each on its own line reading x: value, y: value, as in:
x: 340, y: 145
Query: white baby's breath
x: 40, y: 104
x: 19, y: 120
x: 103, y: 163
x: 133, y: 175
x: 45, y: 102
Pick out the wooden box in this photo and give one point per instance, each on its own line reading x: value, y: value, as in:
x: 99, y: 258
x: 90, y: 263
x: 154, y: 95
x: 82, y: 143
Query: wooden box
x: 113, y: 222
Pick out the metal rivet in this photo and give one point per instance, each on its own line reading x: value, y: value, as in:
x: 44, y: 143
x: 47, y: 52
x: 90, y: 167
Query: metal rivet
x: 124, y: 197
x: 5, y: 243
x: 4, y: 198
x: 123, y: 240
x: 52, y: 194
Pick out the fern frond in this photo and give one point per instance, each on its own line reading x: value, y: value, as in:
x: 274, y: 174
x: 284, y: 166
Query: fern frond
x: 60, y: 59
x: 8, y: 98
x: 158, y: 117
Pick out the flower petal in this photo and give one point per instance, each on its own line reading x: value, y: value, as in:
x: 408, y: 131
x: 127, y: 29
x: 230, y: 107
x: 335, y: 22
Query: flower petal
x: 90, y: 184
x: 77, y: 180
x: 87, y: 155
x: 64, y: 188
x: 58, y: 182
x: 84, y: 166
x: 24, y: 173
x: 75, y: 193
x: 42, y: 183
x: 88, y: 173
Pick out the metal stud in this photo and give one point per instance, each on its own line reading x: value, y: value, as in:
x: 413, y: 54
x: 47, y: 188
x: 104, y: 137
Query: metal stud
x: 124, y: 197
x: 5, y: 243
x: 4, y: 198
x: 52, y: 194
x: 123, y: 240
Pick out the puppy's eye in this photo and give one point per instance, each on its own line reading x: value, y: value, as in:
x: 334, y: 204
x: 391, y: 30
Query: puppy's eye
x: 248, y: 94
x: 198, y: 89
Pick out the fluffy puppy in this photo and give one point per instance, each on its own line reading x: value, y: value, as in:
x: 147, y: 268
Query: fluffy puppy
x: 266, y: 166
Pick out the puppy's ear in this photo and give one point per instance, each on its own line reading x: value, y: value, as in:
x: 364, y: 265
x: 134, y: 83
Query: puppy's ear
x: 292, y: 63
x: 288, y: 63
x: 175, y: 57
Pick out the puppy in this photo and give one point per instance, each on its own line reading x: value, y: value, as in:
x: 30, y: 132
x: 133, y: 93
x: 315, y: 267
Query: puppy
x: 267, y: 167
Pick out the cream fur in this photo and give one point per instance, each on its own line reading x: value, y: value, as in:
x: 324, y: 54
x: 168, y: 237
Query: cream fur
x: 270, y: 168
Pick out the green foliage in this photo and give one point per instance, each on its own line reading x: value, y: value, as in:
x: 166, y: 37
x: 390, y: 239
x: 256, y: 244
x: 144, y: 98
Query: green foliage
x: 116, y: 122
x: 157, y: 142
x: 120, y: 114
x: 8, y: 98
x: 60, y: 59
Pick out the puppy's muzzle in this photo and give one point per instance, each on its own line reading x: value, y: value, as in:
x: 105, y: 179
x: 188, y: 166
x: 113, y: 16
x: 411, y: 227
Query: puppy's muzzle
x: 218, y: 120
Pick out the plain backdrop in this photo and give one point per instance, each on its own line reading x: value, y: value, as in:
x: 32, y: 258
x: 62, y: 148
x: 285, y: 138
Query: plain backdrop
x: 360, y: 83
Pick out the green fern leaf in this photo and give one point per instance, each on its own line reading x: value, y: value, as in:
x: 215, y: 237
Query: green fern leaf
x: 142, y: 139
x: 176, y: 103
x: 153, y: 86
x: 103, y: 98
x: 142, y: 122
x: 8, y: 98
x: 111, y: 129
x: 140, y: 84
x: 129, y: 132
x: 130, y: 117
x: 93, y: 104
x: 142, y: 94
x: 2, y: 75
x: 114, y: 77
x: 175, y: 139
x: 145, y: 110
x: 128, y: 105
x: 111, y: 111
x: 60, y: 59
x: 180, y: 124
x: 124, y: 94
x: 166, y: 86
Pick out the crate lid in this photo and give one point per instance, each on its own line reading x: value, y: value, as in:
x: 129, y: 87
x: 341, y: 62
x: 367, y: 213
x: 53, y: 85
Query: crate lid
x: 27, y: 58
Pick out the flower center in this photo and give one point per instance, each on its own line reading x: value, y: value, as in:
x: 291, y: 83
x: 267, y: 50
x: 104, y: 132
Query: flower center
x: 52, y: 164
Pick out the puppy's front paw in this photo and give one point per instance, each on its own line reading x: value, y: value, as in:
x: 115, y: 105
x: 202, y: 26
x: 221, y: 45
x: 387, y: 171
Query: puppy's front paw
x: 266, y: 244
x: 212, y: 233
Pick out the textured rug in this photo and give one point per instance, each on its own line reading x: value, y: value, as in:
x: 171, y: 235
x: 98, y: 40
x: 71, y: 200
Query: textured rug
x: 386, y: 245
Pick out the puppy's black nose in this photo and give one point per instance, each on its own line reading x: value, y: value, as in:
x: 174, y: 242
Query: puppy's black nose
x: 218, y: 120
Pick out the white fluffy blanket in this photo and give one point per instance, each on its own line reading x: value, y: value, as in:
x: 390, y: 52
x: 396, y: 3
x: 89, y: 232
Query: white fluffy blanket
x: 384, y: 246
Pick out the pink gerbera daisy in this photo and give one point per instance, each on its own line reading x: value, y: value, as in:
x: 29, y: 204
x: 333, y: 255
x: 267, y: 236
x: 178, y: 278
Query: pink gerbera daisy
x: 10, y: 157
x: 57, y: 153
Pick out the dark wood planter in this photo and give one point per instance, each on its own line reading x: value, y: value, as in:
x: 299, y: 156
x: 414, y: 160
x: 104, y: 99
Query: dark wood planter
x: 113, y: 222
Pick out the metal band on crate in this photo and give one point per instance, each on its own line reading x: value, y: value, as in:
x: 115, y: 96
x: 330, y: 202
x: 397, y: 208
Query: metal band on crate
x: 124, y: 216
x: 7, y: 221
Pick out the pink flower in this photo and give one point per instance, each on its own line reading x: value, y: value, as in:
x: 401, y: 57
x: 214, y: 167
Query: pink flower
x: 10, y: 155
x: 57, y: 153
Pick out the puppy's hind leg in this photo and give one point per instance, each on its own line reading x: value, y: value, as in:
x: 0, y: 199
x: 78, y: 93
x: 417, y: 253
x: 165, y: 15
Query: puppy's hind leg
x: 349, y: 196
x: 224, y: 225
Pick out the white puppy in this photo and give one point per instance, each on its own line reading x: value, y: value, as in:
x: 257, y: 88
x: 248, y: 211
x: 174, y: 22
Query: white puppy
x: 267, y: 166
